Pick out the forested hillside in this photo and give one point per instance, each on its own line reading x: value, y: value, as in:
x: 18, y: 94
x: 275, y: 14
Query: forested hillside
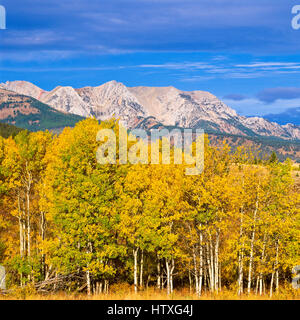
x: 7, y: 130
x: 70, y: 224
x: 28, y: 113
x: 262, y: 146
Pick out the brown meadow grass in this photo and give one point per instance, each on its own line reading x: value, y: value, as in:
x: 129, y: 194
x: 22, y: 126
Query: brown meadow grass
x: 125, y: 292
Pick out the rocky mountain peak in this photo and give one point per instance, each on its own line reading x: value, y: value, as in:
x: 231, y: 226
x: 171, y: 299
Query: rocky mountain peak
x: 168, y: 106
x: 24, y: 87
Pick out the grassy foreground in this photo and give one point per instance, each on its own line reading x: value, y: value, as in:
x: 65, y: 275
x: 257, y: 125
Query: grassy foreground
x: 122, y: 293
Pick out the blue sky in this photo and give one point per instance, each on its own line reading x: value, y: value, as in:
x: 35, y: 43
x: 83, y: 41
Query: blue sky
x: 243, y: 51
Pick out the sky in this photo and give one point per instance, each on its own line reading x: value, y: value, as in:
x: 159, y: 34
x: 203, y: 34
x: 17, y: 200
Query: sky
x: 243, y: 51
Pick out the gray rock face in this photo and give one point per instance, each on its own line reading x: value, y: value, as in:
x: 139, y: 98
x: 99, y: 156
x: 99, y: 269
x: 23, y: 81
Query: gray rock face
x: 25, y: 88
x: 112, y: 99
x: 66, y: 99
x: 168, y: 105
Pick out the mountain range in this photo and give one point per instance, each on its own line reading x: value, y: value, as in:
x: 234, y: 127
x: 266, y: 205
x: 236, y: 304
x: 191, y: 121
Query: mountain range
x: 167, y: 106
x: 29, y: 113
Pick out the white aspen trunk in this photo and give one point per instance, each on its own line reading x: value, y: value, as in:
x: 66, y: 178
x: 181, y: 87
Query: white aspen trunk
x: 205, y: 279
x: 135, y: 271
x: 195, y: 272
x: 252, y: 247
x: 257, y: 283
x: 97, y: 288
x: 240, y: 276
x: 24, y: 233
x: 88, y: 282
x: 241, y: 257
x: 88, y: 275
x: 28, y: 222
x: 158, y: 274
x: 271, y: 285
x: 171, y: 275
x: 220, y: 278
x: 276, y: 266
x: 209, y: 266
x: 277, y: 280
x: 212, y: 264
x: 99, y: 285
x: 106, y: 284
x: 23, y: 223
x: 262, y: 262
x: 48, y: 273
x: 21, y: 237
x: 170, y: 266
x: 20, y: 228
x: 168, y: 277
x: 216, y: 269
x: 94, y: 287
x: 43, y: 225
x: 142, y: 269
x: 190, y: 280
x: 201, y: 263
x: 260, y: 285
x: 28, y: 190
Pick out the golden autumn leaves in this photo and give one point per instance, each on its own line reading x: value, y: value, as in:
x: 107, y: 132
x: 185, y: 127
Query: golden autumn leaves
x: 61, y: 212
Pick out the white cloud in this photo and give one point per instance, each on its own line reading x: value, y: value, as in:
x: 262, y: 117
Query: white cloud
x: 43, y: 55
x: 227, y: 70
x: 269, y: 64
x: 183, y: 65
x: 254, y: 106
x: 197, y: 78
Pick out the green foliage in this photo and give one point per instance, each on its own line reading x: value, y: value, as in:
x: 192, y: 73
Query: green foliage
x: 84, y: 198
x: 273, y: 157
x: 46, y: 118
x: 2, y: 251
x: 7, y: 130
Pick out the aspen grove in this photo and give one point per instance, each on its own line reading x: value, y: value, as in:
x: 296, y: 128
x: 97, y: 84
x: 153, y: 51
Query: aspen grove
x: 68, y: 223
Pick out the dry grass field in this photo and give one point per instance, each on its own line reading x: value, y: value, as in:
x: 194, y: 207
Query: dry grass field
x: 127, y: 293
